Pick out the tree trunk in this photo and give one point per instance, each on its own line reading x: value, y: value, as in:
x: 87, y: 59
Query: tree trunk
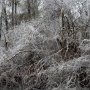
x: 15, y: 12
x: 6, y: 21
x: 36, y: 8
x: 29, y: 9
x: 12, y: 13
x: 5, y: 14
x: 0, y: 25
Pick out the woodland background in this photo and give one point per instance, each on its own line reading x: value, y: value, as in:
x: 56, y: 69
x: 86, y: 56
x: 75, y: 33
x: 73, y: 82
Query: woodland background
x: 44, y: 45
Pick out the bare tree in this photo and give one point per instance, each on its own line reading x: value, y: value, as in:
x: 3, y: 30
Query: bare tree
x: 16, y: 2
x: 32, y: 8
x: 12, y: 12
x: 29, y: 7
x: 5, y: 14
x: 0, y: 24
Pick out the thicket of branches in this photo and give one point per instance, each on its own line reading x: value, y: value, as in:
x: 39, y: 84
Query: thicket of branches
x: 46, y: 54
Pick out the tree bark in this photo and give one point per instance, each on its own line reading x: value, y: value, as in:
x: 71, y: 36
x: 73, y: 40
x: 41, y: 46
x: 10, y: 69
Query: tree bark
x: 12, y: 13
x: 29, y: 8
x: 15, y: 12
x: 6, y: 21
x: 0, y: 24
